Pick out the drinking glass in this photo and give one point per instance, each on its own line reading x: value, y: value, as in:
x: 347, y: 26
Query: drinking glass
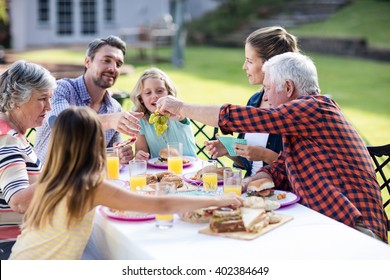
x: 112, y: 163
x: 232, y: 181
x: 175, y: 157
x: 164, y: 221
x: 209, y: 176
x: 137, y: 169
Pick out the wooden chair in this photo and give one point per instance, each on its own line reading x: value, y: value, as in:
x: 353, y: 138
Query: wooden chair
x: 381, y: 158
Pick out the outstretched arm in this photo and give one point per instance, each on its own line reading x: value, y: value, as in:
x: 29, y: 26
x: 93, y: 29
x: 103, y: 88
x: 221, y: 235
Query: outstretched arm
x: 207, y: 114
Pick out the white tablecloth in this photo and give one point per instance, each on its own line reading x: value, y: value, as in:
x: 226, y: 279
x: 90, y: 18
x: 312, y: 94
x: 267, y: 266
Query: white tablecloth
x: 309, y: 235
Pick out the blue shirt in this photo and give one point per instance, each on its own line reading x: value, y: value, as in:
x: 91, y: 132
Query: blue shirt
x: 176, y: 132
x: 73, y: 92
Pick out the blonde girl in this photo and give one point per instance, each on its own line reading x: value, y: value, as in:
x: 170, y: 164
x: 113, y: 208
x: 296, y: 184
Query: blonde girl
x: 59, y: 221
x: 152, y: 85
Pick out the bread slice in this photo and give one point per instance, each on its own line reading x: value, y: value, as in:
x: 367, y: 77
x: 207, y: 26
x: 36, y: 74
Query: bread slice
x: 251, y: 217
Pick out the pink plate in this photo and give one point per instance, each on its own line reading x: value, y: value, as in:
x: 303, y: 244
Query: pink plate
x: 156, y: 163
x: 188, y: 179
x: 138, y: 217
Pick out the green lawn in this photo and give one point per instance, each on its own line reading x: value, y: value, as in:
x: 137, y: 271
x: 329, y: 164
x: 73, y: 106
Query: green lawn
x: 368, y: 19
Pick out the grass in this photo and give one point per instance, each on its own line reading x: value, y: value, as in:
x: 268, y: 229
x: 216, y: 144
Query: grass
x: 361, y: 19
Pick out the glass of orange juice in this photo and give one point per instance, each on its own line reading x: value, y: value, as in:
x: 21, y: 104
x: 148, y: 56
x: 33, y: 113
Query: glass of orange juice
x: 112, y: 163
x: 175, y: 157
x: 137, y: 169
x: 164, y: 221
x: 209, y: 176
x: 232, y: 181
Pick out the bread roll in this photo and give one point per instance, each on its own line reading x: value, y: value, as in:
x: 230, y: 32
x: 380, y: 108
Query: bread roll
x: 260, y: 185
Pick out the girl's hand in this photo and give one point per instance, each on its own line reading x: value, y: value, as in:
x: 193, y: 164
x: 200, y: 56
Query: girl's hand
x: 142, y: 155
x: 230, y: 199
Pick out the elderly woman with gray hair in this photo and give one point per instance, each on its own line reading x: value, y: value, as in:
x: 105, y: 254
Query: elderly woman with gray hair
x: 25, y: 91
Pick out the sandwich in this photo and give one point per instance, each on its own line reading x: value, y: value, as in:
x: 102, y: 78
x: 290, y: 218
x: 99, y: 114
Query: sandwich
x: 261, y: 187
x: 209, y: 169
x: 165, y: 176
x: 254, y: 219
x: 226, y: 220
x: 163, y: 155
x: 202, y: 215
x: 257, y: 202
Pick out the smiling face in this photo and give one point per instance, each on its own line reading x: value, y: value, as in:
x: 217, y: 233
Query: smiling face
x: 104, y: 68
x: 253, y: 65
x: 153, y: 89
x: 32, y: 113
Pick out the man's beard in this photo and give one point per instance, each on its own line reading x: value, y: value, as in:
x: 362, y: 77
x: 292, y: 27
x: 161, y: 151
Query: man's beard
x: 102, y: 84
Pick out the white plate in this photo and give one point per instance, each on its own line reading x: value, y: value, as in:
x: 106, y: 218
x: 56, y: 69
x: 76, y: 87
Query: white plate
x: 155, y: 162
x: 290, y: 198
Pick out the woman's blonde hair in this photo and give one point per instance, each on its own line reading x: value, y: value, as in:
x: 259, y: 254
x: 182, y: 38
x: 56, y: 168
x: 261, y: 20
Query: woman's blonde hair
x: 153, y: 73
x: 75, y: 166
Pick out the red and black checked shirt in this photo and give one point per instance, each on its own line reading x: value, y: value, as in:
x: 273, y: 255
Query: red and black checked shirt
x: 324, y: 160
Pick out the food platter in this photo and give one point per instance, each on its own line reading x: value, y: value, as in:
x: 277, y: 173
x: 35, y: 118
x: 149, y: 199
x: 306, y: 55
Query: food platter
x: 290, y: 198
x: 157, y: 163
x: 129, y: 216
x: 189, y: 178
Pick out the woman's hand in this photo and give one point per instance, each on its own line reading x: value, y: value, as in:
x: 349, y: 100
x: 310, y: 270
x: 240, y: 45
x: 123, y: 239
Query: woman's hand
x: 215, y: 148
x: 255, y: 153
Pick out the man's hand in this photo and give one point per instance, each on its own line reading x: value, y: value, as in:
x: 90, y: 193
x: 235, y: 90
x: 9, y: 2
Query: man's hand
x: 123, y: 122
x: 170, y: 105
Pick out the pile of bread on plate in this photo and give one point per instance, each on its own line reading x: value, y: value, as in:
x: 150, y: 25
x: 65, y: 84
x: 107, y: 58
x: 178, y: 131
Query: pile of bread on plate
x: 256, y: 214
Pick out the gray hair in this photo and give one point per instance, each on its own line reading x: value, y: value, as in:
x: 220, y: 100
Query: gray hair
x: 153, y: 73
x: 18, y: 82
x: 298, y: 68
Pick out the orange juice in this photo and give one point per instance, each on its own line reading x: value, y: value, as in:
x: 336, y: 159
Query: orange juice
x: 232, y: 188
x: 164, y: 217
x: 113, y: 167
x: 210, y: 181
x: 137, y: 181
x: 175, y: 164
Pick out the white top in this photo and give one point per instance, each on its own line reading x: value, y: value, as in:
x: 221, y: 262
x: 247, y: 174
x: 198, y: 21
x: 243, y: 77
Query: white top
x: 257, y: 139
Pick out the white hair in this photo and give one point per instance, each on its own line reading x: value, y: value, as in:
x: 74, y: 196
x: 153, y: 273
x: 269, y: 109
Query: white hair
x: 295, y: 67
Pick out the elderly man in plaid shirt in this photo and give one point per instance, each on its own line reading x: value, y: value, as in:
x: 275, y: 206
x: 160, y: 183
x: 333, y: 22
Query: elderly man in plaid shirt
x: 324, y: 160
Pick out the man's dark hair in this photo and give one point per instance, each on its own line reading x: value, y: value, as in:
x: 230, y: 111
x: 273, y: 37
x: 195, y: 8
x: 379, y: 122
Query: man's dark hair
x: 111, y: 40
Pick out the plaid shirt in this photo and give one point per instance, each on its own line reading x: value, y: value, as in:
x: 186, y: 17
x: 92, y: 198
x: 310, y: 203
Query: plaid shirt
x: 73, y: 92
x: 324, y: 160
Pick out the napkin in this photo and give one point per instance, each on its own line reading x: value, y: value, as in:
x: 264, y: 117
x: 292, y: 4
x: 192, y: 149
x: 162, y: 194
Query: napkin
x: 229, y: 142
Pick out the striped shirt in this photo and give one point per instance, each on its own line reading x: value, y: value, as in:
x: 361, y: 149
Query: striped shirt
x: 324, y: 160
x: 73, y: 92
x: 55, y: 241
x: 19, y: 167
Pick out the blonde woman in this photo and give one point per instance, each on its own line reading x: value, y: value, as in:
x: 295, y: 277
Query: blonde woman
x: 152, y: 85
x: 59, y: 221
